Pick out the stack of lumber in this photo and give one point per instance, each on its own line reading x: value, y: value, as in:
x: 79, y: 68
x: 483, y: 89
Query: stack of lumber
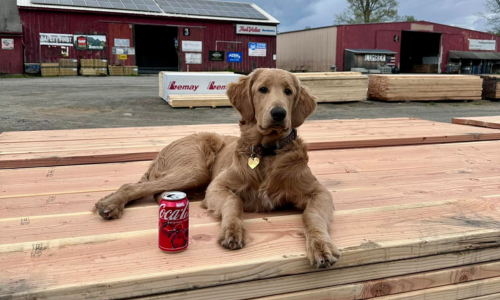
x: 491, y: 87
x: 49, y: 69
x: 160, y: 80
x: 73, y: 147
x: 488, y: 122
x: 425, y: 87
x: 93, y: 67
x: 193, y: 101
x: 426, y: 225
x: 336, y: 86
x: 68, y: 67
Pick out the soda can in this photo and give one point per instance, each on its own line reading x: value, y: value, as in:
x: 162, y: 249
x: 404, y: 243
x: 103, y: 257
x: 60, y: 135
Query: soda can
x: 174, y: 222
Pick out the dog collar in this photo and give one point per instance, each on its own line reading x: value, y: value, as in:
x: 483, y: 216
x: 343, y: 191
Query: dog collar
x: 261, y: 150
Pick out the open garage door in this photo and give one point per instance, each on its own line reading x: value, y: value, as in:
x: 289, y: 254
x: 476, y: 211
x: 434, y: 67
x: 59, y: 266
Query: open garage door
x: 420, y: 52
x: 155, y: 48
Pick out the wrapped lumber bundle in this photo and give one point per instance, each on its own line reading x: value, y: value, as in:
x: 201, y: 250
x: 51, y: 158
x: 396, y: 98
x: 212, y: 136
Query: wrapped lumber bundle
x: 491, y: 87
x: 336, y: 86
x: 192, y: 101
x: 130, y: 71
x: 50, y: 69
x: 425, y: 87
x: 68, y: 71
x: 115, y: 70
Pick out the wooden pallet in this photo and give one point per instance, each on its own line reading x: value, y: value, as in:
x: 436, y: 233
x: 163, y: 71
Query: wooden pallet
x: 90, y: 146
x: 424, y: 87
x: 413, y: 212
x: 491, y: 87
x: 488, y: 122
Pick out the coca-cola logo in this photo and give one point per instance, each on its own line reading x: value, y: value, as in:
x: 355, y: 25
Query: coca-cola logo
x: 212, y: 86
x: 173, y: 86
x: 170, y: 214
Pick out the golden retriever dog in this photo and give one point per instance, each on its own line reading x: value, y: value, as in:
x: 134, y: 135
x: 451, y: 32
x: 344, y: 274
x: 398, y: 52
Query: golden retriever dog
x: 264, y: 169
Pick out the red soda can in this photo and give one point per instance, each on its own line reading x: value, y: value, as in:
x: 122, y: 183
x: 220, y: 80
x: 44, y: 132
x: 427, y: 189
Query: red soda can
x: 174, y: 222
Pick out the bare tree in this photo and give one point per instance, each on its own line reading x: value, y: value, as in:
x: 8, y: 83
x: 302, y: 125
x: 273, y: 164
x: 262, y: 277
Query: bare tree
x: 371, y: 11
x: 492, y: 15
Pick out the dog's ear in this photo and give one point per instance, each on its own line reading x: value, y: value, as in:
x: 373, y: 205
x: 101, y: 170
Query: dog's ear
x: 239, y: 94
x: 305, y: 105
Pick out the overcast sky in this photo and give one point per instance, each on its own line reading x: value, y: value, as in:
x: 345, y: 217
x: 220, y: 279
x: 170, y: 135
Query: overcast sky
x: 297, y: 14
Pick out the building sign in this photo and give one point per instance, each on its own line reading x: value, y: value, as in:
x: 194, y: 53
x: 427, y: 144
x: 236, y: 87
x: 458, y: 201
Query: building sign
x: 257, y: 49
x: 90, y: 42
x: 123, y: 50
x: 186, y: 32
x: 216, y: 55
x: 256, y: 29
x: 488, y: 45
x: 375, y: 57
x: 192, y: 46
x: 122, y: 43
x: 7, y: 44
x: 52, y: 39
x: 234, y: 57
x: 193, y: 58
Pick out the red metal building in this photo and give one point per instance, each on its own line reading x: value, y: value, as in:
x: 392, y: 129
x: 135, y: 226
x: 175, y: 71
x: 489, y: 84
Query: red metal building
x: 11, y: 45
x: 414, y: 42
x: 155, y: 40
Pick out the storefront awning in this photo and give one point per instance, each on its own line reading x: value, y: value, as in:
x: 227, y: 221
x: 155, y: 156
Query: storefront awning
x: 475, y: 55
x: 371, y: 51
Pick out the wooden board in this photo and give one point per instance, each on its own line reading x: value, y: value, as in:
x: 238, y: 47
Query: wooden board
x: 430, y: 285
x: 401, y: 210
x: 425, y: 87
x: 488, y: 122
x: 90, y: 146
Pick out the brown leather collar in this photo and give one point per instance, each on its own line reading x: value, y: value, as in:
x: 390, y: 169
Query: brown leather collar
x: 262, y: 150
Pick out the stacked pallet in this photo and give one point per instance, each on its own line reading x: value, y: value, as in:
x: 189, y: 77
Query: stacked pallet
x: 491, y: 87
x: 68, y: 67
x: 93, y: 67
x: 425, y: 87
x: 336, y: 86
x: 49, y: 69
x: 425, y: 226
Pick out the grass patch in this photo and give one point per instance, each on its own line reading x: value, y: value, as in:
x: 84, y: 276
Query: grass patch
x: 432, y: 103
x: 2, y: 76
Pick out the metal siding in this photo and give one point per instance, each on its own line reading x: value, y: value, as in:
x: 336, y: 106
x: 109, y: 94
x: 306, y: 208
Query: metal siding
x: 120, y: 31
x: 315, y: 52
x: 42, y: 21
x: 11, y: 61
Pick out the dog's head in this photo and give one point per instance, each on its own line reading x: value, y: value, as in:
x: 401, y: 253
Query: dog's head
x: 272, y: 99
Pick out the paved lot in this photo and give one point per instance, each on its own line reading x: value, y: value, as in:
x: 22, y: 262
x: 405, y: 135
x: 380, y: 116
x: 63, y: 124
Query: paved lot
x: 84, y: 102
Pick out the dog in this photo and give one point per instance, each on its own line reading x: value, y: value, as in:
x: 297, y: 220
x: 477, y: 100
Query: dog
x: 264, y: 169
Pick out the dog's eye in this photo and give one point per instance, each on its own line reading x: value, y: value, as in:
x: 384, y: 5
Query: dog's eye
x: 288, y: 92
x: 263, y: 90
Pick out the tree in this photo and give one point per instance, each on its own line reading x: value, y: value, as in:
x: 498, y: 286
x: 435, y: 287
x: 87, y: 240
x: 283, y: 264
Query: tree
x: 371, y: 11
x: 307, y: 28
x: 492, y: 15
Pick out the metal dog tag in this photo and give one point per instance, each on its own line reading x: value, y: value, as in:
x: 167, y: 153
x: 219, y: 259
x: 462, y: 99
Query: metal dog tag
x: 253, y: 162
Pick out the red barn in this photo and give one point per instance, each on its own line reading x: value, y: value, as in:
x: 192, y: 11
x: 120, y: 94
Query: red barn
x: 156, y: 35
x: 419, y: 47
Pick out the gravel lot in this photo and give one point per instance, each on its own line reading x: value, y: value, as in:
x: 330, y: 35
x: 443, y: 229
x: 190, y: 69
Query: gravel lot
x: 96, y: 102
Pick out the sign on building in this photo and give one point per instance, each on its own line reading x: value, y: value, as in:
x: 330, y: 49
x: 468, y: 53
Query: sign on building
x: 193, y: 58
x: 123, y: 50
x: 488, y: 45
x: 52, y: 39
x: 375, y: 57
x: 192, y: 46
x: 234, y: 57
x: 257, y: 49
x: 90, y: 42
x: 122, y: 42
x: 256, y: 29
x: 7, y: 44
x: 216, y: 55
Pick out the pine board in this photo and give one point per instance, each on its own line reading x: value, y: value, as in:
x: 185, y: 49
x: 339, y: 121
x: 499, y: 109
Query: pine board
x: 90, y: 146
x: 488, y: 122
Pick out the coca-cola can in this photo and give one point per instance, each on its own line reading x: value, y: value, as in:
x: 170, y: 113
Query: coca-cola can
x: 174, y: 222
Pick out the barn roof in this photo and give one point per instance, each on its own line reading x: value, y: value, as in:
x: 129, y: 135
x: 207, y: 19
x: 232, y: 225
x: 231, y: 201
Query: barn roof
x: 192, y: 9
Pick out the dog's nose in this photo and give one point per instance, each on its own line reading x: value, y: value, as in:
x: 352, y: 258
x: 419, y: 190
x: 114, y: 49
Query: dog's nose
x: 278, y: 114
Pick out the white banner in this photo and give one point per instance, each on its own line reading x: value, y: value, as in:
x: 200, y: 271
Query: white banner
x: 257, y: 49
x: 256, y: 29
x: 193, y: 58
x: 192, y: 46
x: 53, y: 39
x: 488, y: 45
x: 186, y: 83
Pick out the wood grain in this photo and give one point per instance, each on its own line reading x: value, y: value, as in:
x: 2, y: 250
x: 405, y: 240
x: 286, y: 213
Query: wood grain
x: 488, y: 122
x: 38, y: 149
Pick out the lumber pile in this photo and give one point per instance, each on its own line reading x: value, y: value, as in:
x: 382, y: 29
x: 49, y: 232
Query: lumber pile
x: 336, y: 86
x: 96, y: 146
x: 488, y: 122
x: 193, y: 101
x: 424, y: 226
x: 425, y: 87
x: 491, y: 87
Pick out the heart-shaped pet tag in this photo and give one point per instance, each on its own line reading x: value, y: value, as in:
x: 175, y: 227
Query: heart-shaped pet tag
x: 253, y: 162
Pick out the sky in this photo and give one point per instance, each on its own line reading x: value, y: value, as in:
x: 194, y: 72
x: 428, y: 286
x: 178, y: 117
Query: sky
x: 297, y: 14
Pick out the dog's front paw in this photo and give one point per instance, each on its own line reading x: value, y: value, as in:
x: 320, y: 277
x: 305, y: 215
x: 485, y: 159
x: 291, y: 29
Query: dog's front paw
x: 322, y: 252
x: 109, y: 208
x: 232, y: 235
